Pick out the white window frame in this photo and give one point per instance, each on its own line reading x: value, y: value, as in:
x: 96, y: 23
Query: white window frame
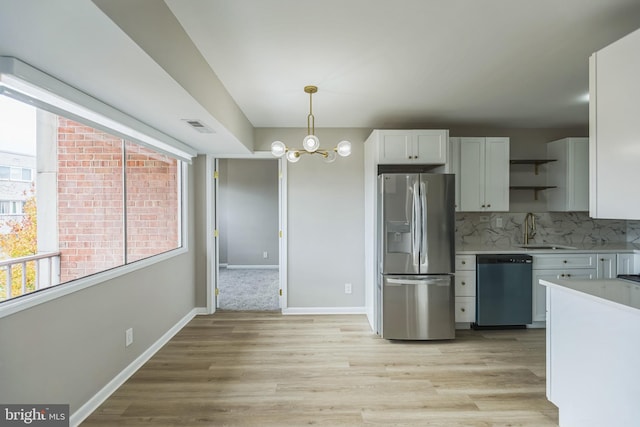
x: 27, y: 84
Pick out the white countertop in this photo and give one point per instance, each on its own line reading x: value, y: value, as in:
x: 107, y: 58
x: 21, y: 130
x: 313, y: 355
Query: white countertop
x: 477, y: 248
x: 622, y: 294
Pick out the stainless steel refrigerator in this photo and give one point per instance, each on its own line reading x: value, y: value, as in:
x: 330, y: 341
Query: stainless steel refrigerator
x: 416, y: 250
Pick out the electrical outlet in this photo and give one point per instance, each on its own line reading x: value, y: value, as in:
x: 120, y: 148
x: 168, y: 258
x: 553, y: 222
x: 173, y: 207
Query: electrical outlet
x: 128, y: 337
x: 265, y: 254
x: 498, y: 222
x: 347, y: 288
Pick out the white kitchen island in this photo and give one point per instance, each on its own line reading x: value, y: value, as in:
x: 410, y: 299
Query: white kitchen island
x: 593, y: 351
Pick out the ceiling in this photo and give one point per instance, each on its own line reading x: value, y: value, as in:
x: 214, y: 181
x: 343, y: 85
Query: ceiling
x: 378, y: 63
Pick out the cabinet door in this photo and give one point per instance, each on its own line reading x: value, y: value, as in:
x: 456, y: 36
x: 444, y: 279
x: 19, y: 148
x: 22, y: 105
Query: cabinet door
x: 472, y: 174
x: 539, y: 291
x: 607, y: 267
x: 454, y: 166
x: 569, y: 174
x: 465, y: 309
x: 578, y: 174
x: 497, y: 174
x: 625, y: 264
x: 430, y: 146
x: 465, y: 283
x: 614, y: 128
x: 395, y: 147
x: 465, y: 262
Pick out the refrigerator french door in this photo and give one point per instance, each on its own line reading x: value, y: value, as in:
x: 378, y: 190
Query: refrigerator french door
x: 416, y: 256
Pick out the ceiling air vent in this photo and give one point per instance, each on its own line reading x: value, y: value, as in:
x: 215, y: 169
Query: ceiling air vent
x: 198, y: 125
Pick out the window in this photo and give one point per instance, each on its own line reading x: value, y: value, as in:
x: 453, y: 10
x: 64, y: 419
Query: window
x: 11, y: 207
x: 115, y: 201
x: 15, y: 173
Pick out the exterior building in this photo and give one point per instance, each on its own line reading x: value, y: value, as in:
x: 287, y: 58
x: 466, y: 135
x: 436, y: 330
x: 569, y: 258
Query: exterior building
x: 17, y: 180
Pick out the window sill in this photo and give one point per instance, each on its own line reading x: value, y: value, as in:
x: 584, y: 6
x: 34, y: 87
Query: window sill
x: 16, y: 305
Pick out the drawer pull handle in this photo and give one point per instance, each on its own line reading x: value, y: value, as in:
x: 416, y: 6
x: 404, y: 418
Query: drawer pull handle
x: 462, y: 310
x: 568, y: 275
x: 565, y: 261
x: 464, y: 262
x: 464, y: 283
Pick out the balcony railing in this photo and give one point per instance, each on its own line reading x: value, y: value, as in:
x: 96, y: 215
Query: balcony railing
x: 45, y: 273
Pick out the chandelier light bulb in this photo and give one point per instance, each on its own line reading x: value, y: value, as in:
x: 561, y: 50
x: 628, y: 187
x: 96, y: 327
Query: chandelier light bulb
x: 293, y: 156
x: 278, y: 148
x: 330, y: 157
x: 311, y: 143
x: 344, y: 148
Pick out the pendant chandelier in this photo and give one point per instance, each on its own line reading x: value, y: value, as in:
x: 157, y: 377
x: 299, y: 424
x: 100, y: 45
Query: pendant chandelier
x: 310, y: 143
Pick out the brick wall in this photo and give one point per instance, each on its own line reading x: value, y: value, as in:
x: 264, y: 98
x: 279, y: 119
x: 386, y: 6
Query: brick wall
x: 152, y: 203
x: 90, y: 201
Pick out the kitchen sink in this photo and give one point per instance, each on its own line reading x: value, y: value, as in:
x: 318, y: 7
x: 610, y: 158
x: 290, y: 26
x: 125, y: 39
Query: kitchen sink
x: 546, y: 246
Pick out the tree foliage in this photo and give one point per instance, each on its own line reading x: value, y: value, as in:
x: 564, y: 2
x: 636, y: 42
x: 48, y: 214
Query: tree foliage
x: 21, y: 240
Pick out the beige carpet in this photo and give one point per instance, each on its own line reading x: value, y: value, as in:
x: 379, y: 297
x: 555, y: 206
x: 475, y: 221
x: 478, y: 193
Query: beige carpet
x: 250, y: 289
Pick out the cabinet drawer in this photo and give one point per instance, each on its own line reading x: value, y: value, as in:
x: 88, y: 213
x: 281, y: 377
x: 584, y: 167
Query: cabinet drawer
x: 465, y: 309
x: 564, y: 261
x: 568, y: 274
x: 466, y: 283
x: 465, y: 262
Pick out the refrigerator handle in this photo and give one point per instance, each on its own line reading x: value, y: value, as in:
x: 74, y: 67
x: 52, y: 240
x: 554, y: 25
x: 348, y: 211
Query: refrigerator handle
x: 416, y: 226
x: 424, y: 259
x: 435, y: 282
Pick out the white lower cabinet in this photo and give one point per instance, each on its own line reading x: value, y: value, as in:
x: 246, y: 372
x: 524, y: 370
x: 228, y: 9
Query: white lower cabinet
x: 465, y: 300
x: 562, y: 266
x: 607, y: 266
x: 610, y: 265
x: 625, y: 263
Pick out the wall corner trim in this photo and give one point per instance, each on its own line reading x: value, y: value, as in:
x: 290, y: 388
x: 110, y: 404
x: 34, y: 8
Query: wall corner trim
x: 92, y: 404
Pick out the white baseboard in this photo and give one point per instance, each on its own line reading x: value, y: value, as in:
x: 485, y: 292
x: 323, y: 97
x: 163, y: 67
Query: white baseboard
x: 252, y: 267
x: 537, y: 325
x: 92, y: 404
x: 323, y: 310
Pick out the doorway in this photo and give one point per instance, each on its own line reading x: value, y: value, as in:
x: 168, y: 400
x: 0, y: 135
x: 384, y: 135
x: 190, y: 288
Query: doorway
x: 248, y: 223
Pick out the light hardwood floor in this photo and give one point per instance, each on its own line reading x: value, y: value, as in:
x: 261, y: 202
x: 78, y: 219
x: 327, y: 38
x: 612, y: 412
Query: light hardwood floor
x: 265, y: 369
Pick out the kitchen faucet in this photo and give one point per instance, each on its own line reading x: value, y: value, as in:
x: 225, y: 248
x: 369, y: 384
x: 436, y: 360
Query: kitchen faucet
x: 529, y: 227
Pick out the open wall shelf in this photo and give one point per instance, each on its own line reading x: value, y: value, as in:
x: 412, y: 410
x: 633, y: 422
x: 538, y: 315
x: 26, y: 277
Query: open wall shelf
x: 535, y: 188
x: 534, y: 162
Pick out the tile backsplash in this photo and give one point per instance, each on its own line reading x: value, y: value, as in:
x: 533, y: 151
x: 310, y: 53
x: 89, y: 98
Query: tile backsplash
x: 551, y: 227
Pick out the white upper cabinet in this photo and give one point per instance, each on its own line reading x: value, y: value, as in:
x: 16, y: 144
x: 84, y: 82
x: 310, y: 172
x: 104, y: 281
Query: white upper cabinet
x: 484, y: 174
x: 569, y: 174
x: 429, y: 146
x: 614, y: 129
x: 454, y: 166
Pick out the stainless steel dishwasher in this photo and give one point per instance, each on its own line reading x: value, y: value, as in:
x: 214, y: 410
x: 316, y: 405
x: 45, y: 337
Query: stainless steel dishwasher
x: 504, y: 291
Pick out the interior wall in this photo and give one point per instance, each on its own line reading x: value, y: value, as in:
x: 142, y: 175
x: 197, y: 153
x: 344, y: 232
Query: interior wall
x: 325, y: 219
x: 248, y: 208
x: 199, y: 242
x: 67, y: 349
x: 221, y: 211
